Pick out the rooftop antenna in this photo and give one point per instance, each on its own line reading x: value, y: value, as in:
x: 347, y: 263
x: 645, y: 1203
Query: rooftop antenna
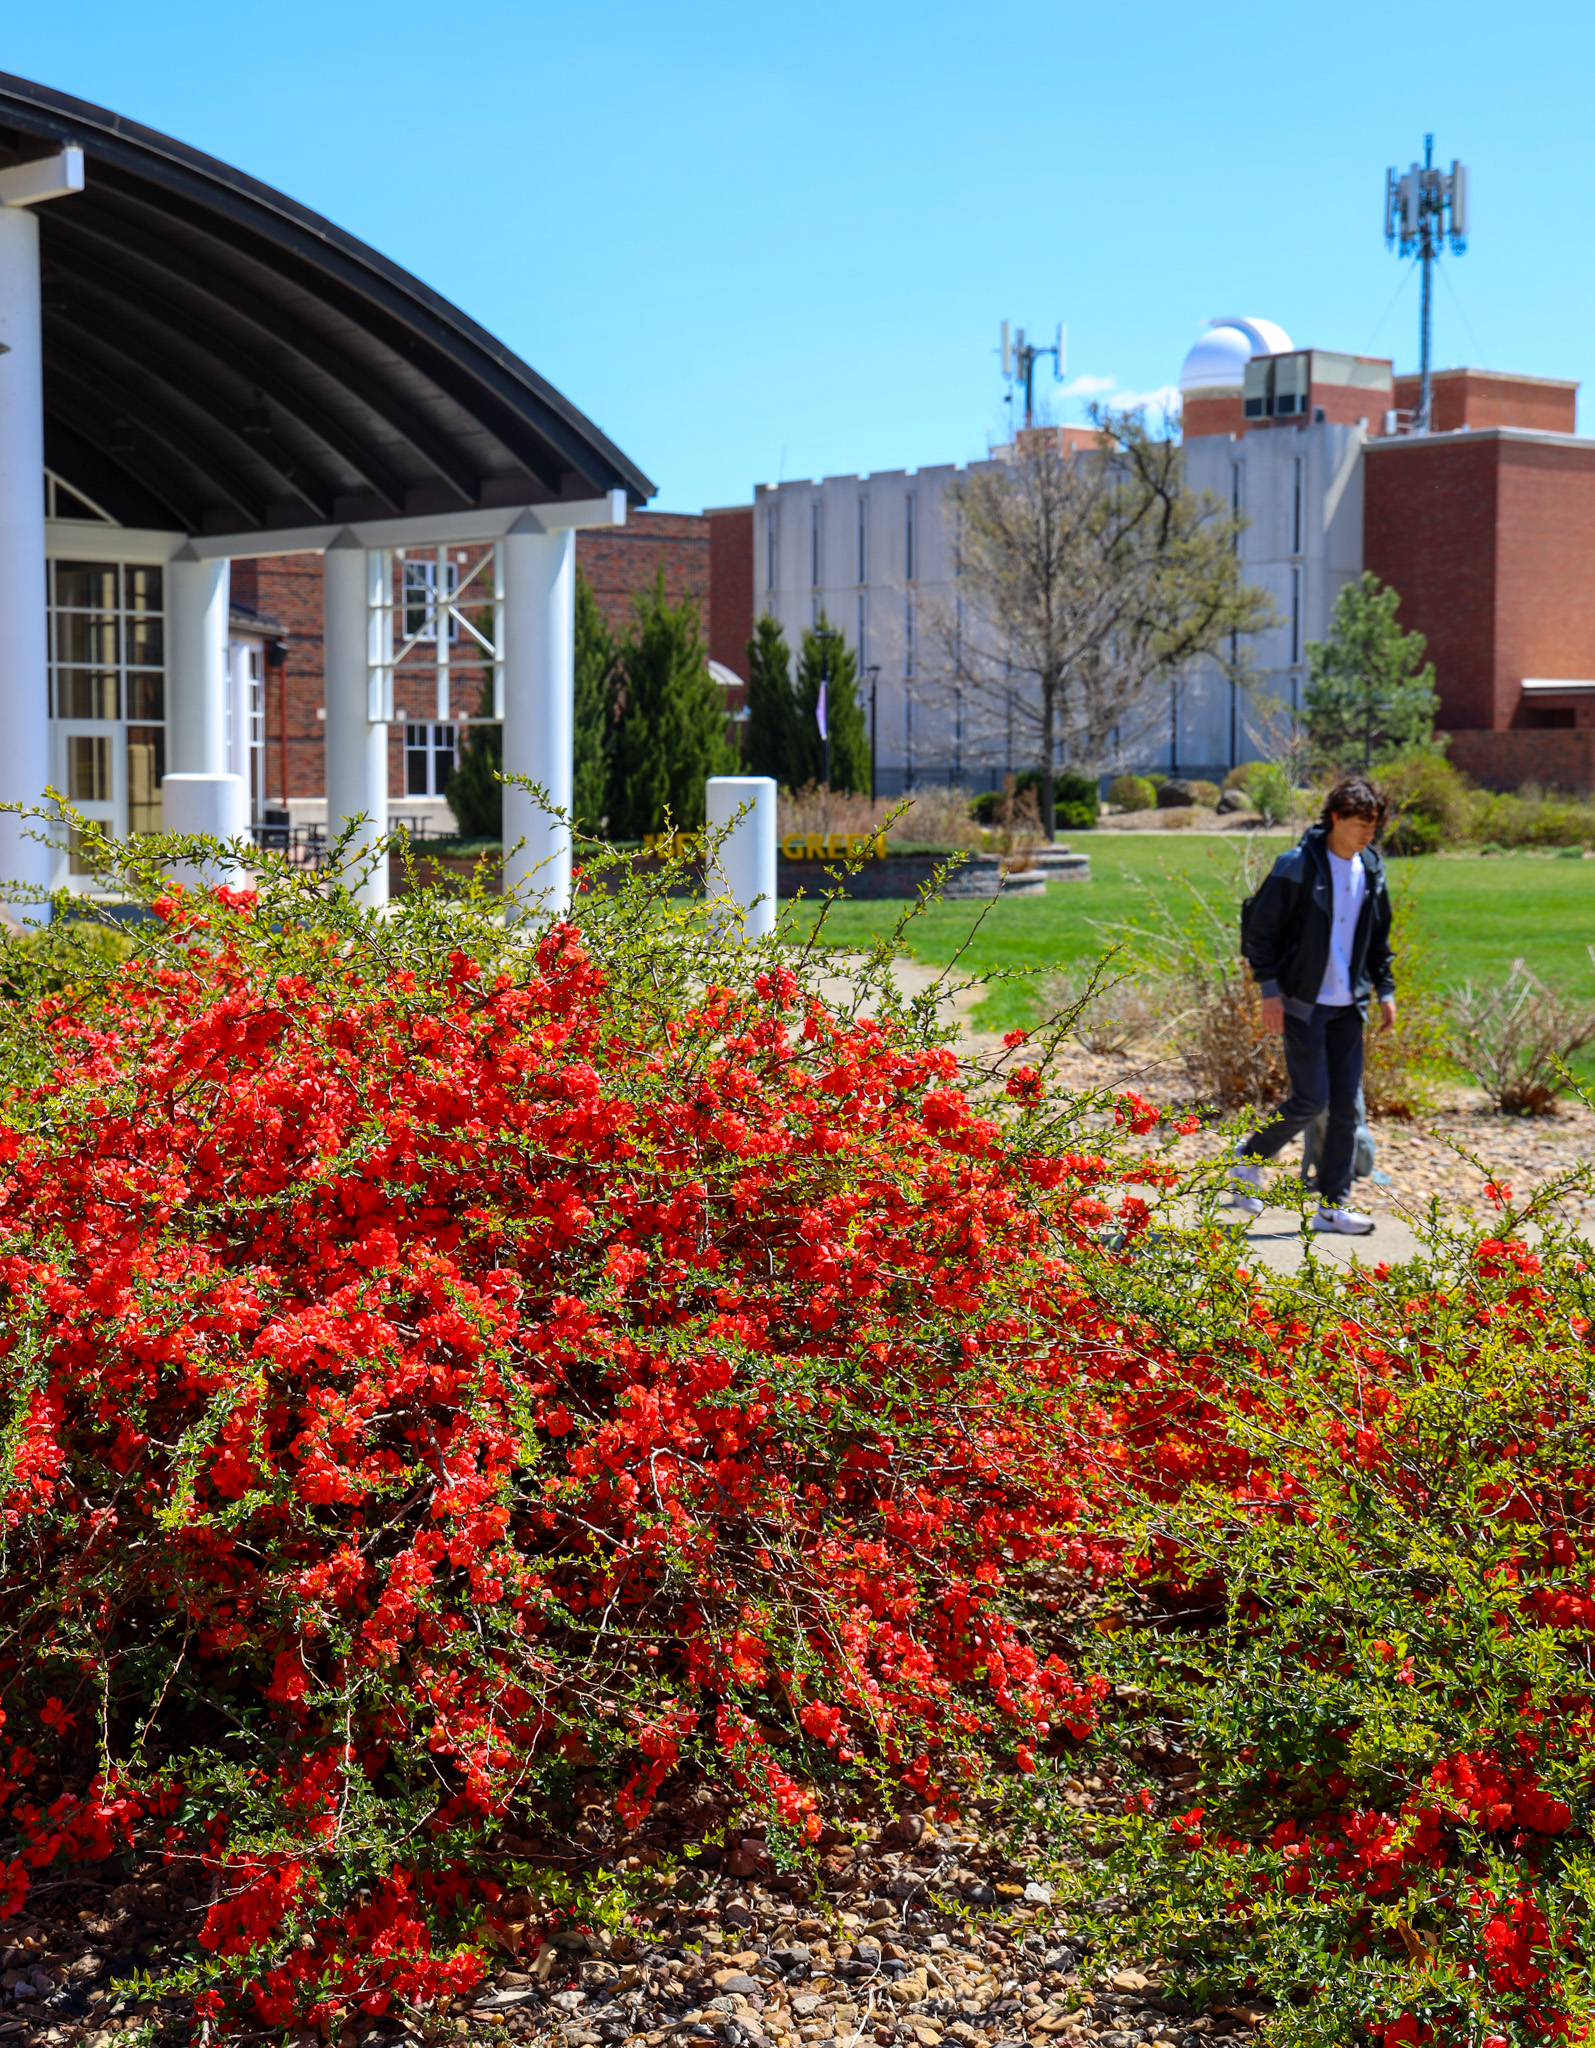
x: 1019, y: 358
x: 1423, y: 208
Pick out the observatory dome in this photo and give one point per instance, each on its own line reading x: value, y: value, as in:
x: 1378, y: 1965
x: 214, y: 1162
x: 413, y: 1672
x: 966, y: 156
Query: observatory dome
x: 1218, y: 360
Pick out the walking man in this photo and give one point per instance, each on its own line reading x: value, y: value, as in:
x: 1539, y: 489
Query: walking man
x: 1317, y: 938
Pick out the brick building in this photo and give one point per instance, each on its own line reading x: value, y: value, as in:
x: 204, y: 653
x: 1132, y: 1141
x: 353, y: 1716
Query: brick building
x: 1485, y: 525
x: 1489, y: 535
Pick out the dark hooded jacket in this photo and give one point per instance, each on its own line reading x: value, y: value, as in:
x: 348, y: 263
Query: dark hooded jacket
x: 1285, y: 930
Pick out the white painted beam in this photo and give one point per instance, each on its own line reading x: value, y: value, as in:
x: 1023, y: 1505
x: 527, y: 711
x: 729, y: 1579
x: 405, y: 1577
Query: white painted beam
x: 447, y: 529
x: 45, y: 177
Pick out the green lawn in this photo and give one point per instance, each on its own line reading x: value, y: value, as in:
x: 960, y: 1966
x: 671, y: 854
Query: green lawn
x: 1478, y: 915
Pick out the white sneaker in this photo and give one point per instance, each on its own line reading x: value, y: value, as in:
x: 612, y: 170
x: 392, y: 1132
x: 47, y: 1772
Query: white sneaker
x: 1345, y: 1222
x: 1246, y: 1173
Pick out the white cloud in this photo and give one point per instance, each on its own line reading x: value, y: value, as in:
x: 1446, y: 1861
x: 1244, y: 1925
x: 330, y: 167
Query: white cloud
x: 1165, y: 398
x: 1087, y: 387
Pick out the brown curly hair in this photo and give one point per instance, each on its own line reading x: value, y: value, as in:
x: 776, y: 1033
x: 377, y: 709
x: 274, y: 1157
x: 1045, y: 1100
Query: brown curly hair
x: 1354, y: 796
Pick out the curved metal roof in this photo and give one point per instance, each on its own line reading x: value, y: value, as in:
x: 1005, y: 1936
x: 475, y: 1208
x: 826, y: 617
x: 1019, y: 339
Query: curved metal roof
x: 220, y: 359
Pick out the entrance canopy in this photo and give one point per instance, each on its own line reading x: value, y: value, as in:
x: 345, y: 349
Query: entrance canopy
x: 219, y: 360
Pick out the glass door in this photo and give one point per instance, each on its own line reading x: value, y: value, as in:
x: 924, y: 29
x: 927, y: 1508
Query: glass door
x: 107, y: 698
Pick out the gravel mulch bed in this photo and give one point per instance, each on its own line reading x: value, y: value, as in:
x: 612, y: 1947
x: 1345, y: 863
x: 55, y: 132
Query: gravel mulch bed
x: 921, y: 1937
x: 1430, y: 1155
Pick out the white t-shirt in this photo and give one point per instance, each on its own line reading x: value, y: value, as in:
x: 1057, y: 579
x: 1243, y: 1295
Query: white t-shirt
x: 1350, y: 887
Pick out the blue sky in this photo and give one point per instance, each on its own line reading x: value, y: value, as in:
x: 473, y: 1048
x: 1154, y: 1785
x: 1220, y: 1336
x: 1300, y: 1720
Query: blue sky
x: 757, y: 241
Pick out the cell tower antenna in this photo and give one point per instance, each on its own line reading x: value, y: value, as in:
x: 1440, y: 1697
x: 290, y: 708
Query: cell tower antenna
x: 1019, y: 359
x: 1425, y: 207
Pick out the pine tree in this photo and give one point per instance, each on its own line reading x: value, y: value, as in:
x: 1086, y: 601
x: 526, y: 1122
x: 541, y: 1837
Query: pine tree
x: 670, y: 737
x: 1367, y: 696
x: 770, y: 744
x: 850, y: 763
x: 475, y: 794
x: 597, y: 663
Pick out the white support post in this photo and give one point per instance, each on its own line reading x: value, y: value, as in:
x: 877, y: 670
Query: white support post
x: 24, y: 639
x: 357, y: 742
x: 498, y: 634
x: 744, y: 868
x: 539, y: 652
x: 196, y: 665
x: 443, y: 620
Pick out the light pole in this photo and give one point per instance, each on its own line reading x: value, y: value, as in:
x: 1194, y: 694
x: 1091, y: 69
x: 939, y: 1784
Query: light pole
x: 825, y: 635
x: 874, y: 673
x: 1417, y: 203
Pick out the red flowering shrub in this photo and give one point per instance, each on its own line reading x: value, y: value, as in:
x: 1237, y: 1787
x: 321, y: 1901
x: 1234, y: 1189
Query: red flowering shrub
x: 441, y: 1365
x: 1358, y: 1529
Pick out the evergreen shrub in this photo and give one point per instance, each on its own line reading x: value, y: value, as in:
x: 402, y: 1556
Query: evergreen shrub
x: 1132, y: 793
x: 1076, y: 802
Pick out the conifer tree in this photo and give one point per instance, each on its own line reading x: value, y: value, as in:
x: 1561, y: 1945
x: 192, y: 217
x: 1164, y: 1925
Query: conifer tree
x: 475, y: 794
x: 770, y: 746
x: 1370, y: 693
x: 850, y: 763
x: 670, y: 735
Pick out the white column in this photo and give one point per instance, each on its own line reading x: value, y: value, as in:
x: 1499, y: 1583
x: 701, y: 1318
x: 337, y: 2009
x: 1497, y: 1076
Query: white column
x: 744, y: 868
x: 357, y: 743
x: 24, y: 638
x: 24, y: 645
x: 196, y: 665
x: 238, y: 709
x: 539, y: 711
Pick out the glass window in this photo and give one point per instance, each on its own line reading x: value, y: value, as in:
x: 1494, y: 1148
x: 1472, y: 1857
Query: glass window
x: 107, y: 664
x: 1295, y: 616
x: 1295, y: 507
x: 146, y: 695
x: 815, y: 561
x: 420, y: 582
x: 86, y: 693
x: 146, y: 641
x: 86, y: 639
x: 86, y: 586
x: 143, y: 587
x: 769, y: 547
x: 415, y: 760
x: 908, y: 638
x: 863, y: 540
x: 146, y: 764
x: 428, y: 759
x: 908, y: 540
x: 88, y: 768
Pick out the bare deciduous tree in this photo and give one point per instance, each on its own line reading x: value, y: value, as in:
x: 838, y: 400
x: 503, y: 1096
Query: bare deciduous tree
x: 1083, y: 580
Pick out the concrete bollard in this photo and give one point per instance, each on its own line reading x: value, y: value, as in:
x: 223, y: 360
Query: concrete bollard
x: 744, y: 867
x: 217, y: 805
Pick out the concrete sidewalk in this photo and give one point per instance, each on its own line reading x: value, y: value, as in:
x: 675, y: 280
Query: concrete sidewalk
x: 1276, y: 1240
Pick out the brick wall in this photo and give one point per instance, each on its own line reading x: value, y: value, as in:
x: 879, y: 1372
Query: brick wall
x: 622, y: 561
x: 1488, y: 537
x: 1506, y: 760
x: 1429, y: 520
x: 731, y: 585
x: 1485, y: 398
x: 287, y: 588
